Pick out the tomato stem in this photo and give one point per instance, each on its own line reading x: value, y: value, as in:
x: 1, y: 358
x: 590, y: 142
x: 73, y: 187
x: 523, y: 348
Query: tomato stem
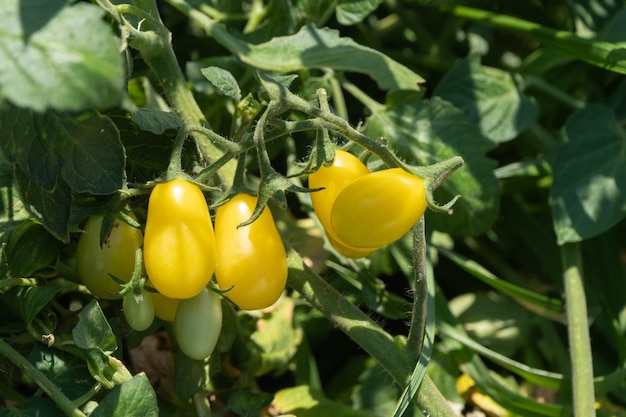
x: 578, y: 331
x: 364, y: 331
x: 53, y: 391
x: 154, y: 44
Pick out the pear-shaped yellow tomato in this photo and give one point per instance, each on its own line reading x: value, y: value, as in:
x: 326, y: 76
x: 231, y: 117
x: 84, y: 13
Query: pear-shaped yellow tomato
x: 250, y: 259
x: 378, y: 208
x: 344, y: 170
x: 164, y: 307
x: 115, y: 257
x: 179, y: 244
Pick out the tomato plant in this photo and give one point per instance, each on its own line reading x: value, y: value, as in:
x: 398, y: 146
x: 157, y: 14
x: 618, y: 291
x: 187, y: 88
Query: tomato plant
x: 139, y: 314
x: 379, y: 208
x: 251, y: 262
x: 163, y: 107
x: 198, y: 324
x: 116, y: 256
x: 179, y: 243
x: 344, y: 169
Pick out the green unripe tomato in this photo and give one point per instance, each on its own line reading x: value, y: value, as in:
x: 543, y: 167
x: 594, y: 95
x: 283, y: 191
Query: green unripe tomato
x: 116, y: 256
x: 198, y: 324
x: 138, y: 314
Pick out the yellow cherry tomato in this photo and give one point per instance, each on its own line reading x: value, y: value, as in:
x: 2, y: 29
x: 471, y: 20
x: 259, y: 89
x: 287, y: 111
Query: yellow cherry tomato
x: 164, y: 307
x: 344, y: 170
x: 378, y: 208
x: 179, y: 244
x: 250, y: 259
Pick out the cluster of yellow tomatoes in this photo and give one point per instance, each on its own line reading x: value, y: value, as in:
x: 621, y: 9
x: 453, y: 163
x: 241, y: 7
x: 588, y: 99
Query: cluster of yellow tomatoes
x: 183, y: 248
x: 182, y: 251
x: 362, y: 211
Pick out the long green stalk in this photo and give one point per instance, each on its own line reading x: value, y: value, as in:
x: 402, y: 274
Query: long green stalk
x: 608, y: 55
x: 364, y: 331
x: 578, y: 331
x: 53, y: 391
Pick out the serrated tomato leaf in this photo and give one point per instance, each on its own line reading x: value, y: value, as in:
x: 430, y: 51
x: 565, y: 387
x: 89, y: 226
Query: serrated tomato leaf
x: 51, y: 208
x: 86, y: 150
x: 58, y: 55
x: 311, y: 47
x: 27, y: 302
x: 66, y: 371
x: 135, y: 397
x: 304, y: 401
x: 588, y: 194
x: 430, y: 131
x: 350, y: 12
x: 30, y: 247
x: 155, y: 121
x: 93, y: 329
x: 223, y: 81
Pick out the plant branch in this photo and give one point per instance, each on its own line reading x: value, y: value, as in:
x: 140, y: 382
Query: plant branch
x: 578, y: 331
x: 156, y: 50
x: 54, y: 392
x: 417, y: 329
x: 364, y: 331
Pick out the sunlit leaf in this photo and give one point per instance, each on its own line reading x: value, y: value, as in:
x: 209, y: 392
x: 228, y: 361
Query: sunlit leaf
x: 135, y: 397
x: 490, y: 98
x: 588, y: 194
x: 58, y: 55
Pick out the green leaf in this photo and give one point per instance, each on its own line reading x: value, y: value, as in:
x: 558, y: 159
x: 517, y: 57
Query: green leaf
x: 85, y: 150
x: 94, y: 337
x: 223, y: 81
x: 147, y: 153
x: 27, y: 302
x: 155, y: 121
x: 350, y: 12
x: 376, y: 398
x: 42, y: 407
x: 313, y: 10
x: 429, y: 131
x: 588, y: 194
x: 30, y: 248
x: 133, y: 398
x: 311, y: 47
x: 93, y: 329
x: 304, y: 401
x: 275, y: 338
x: 246, y: 403
x: 607, y: 54
x: 51, y: 208
x: 490, y: 97
x: 492, y: 320
x: 60, y: 56
x: 190, y: 375
x: 592, y: 15
x: 66, y: 371
x: 540, y: 377
x: 12, y: 412
x: 539, y: 303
